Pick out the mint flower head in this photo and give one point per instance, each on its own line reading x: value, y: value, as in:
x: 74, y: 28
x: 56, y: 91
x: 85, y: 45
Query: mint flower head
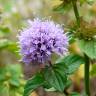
x: 40, y: 40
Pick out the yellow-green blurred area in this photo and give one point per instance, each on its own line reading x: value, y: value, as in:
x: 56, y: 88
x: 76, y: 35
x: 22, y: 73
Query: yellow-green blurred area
x: 13, y: 17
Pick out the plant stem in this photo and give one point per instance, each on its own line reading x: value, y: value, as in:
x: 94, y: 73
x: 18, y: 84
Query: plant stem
x: 76, y: 12
x: 87, y: 61
x: 87, y: 66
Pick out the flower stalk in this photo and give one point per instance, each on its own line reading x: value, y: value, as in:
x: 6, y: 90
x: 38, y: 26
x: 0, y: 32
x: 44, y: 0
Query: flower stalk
x: 87, y: 67
x: 76, y: 12
x: 87, y: 59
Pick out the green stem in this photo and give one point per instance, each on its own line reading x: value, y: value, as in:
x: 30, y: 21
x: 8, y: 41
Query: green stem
x: 76, y: 12
x: 87, y: 66
x: 87, y: 61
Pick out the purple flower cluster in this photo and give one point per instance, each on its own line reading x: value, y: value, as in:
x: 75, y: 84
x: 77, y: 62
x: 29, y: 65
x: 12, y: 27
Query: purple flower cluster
x: 40, y: 40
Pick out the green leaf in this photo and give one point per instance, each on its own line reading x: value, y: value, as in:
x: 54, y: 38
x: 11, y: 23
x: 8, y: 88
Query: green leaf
x: 10, y: 79
x: 4, y: 43
x: 87, y: 1
x: 4, y: 90
x: 56, y: 76
x: 15, y: 72
x: 35, y: 82
x: 93, y: 70
x: 72, y: 62
x: 46, y: 85
x: 13, y: 47
x: 88, y: 47
x: 62, y: 8
x: 7, y: 5
x: 82, y: 1
x: 2, y: 74
x: 15, y: 82
x: 69, y: 83
x: 4, y: 31
x: 13, y: 92
x: 9, y: 45
x: 75, y: 94
x: 90, y: 2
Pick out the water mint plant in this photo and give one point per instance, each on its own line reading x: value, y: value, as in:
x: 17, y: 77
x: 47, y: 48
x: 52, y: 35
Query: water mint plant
x: 42, y: 38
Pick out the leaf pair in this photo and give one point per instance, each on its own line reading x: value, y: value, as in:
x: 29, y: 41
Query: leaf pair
x: 51, y: 77
x: 55, y: 76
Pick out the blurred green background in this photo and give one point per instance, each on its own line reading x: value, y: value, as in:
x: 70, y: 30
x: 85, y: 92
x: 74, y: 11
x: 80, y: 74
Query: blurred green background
x: 13, y: 17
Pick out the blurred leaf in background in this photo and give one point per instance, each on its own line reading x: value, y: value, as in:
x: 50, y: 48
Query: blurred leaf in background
x: 11, y: 80
x: 11, y: 74
x: 93, y: 70
x: 61, y: 6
